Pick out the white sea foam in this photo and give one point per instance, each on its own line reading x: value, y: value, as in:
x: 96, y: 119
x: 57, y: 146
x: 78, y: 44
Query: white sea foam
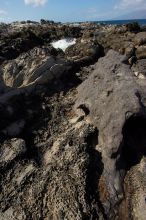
x: 63, y: 43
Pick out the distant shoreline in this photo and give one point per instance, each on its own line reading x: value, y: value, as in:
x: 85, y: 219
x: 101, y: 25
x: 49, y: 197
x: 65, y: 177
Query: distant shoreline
x: 108, y: 22
x: 113, y: 22
x: 121, y: 22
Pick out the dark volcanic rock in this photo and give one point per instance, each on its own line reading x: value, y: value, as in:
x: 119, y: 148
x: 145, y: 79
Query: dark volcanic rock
x: 114, y: 100
x: 72, y: 157
x: 129, y: 49
x: 141, y: 52
x: 58, y: 164
x: 20, y: 37
x: 70, y: 151
x: 140, y: 38
x: 133, y: 27
x: 16, y: 43
x: 38, y: 65
x: 85, y: 53
x: 140, y: 67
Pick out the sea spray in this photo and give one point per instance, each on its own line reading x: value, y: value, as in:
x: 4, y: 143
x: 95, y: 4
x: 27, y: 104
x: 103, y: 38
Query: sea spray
x: 64, y: 43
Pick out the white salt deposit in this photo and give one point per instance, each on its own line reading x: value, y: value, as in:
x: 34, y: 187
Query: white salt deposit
x: 64, y: 43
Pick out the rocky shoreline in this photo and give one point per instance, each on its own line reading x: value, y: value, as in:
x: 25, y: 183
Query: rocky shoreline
x: 73, y: 122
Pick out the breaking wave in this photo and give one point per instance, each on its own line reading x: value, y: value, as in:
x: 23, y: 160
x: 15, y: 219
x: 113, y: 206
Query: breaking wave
x: 64, y: 43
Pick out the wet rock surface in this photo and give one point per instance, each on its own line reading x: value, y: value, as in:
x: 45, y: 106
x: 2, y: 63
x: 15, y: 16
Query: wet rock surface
x: 73, y: 124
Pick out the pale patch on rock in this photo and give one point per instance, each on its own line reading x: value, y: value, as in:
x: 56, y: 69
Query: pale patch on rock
x: 52, y: 153
x: 26, y: 172
x: 12, y: 214
x: 11, y: 149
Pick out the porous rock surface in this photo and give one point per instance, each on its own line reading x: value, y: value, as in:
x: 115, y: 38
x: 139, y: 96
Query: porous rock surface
x: 36, y: 65
x: 84, y: 53
x: 70, y: 151
x: 46, y: 150
x: 115, y: 101
x: 139, y: 68
x: 16, y: 38
x: 140, y: 38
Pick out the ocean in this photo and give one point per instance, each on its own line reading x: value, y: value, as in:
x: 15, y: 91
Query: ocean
x: 120, y: 22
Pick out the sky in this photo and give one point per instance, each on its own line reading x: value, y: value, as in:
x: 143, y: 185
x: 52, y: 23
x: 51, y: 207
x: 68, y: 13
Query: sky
x: 68, y: 10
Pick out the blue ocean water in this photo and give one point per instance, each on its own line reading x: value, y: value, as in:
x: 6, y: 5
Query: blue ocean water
x: 120, y: 22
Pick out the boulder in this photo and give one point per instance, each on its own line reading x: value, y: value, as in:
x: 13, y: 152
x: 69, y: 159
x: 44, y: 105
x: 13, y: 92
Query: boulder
x: 84, y: 53
x: 141, y: 52
x: 140, y: 38
x: 129, y: 49
x: 133, y: 27
x: 113, y: 100
x: 139, y: 67
x: 35, y: 66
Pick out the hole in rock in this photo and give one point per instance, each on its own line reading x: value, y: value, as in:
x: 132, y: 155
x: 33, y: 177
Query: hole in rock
x: 85, y: 109
x: 133, y: 146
